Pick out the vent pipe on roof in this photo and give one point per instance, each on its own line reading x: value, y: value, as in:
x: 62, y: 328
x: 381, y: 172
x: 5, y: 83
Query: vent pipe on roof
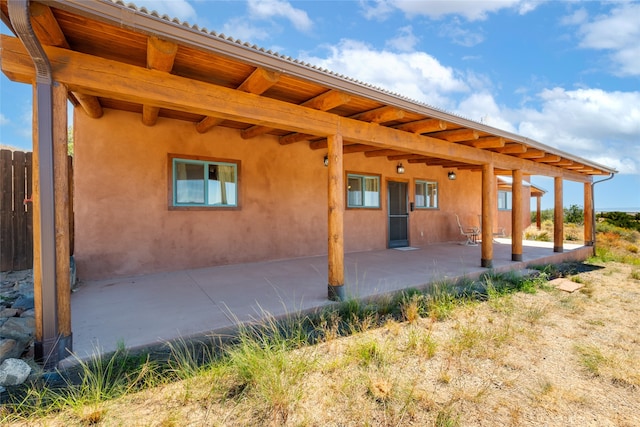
x: 51, y: 347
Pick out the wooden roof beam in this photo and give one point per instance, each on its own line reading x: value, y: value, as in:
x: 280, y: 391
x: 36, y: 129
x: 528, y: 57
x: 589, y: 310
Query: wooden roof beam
x: 49, y: 33
x: 160, y: 56
x: 380, y: 115
x: 549, y: 158
x: 405, y: 156
x: 298, y: 137
x: 257, y: 83
x: 126, y: 82
x: 423, y: 126
x: 327, y: 101
x: 564, y: 162
x: 488, y: 142
x: 532, y: 154
x: 382, y: 153
x: 512, y: 149
x: 456, y: 135
x: 418, y: 160
x: 90, y: 104
x: 357, y: 148
x: 324, y: 102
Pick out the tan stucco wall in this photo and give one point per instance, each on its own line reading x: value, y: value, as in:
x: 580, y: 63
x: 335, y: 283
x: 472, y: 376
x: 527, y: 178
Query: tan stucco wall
x: 123, y: 225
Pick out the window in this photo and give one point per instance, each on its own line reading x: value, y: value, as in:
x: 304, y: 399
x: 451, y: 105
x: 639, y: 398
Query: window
x: 363, y: 191
x: 426, y: 194
x: 204, y: 183
x: 504, y: 200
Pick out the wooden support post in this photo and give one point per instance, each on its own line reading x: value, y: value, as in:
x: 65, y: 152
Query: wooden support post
x: 336, y: 218
x: 589, y: 230
x: 538, y: 212
x: 516, y: 217
x: 488, y: 206
x: 37, y: 248
x: 558, y: 215
x: 61, y: 211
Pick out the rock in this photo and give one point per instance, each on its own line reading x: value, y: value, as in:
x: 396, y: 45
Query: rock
x: 10, y: 349
x: 9, y: 312
x: 14, y: 372
x: 29, y: 313
x: 18, y: 328
x: 25, y: 289
x: 23, y: 302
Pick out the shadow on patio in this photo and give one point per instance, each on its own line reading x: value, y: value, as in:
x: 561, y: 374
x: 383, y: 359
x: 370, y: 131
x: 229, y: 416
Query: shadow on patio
x: 149, y: 310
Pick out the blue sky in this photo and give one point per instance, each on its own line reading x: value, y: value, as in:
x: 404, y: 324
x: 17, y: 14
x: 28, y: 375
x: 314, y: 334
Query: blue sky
x: 564, y: 73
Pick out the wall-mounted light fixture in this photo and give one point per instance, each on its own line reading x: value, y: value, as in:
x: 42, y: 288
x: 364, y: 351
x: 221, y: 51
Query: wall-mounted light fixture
x: 400, y: 168
x: 326, y: 160
x: 451, y: 175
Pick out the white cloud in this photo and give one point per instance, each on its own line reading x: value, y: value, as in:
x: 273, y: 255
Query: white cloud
x: 266, y: 9
x: 239, y: 28
x: 472, y: 10
x: 3, y: 120
x: 180, y: 9
x: 405, y: 41
x: 459, y: 34
x: 415, y: 75
x: 618, y: 32
x: 482, y: 107
x: 377, y: 9
x: 598, y: 125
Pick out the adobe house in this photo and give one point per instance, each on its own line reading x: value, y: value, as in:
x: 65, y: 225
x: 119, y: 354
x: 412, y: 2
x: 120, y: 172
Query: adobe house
x: 193, y: 149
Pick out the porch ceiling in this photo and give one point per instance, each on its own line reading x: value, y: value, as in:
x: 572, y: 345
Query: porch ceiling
x: 135, y: 39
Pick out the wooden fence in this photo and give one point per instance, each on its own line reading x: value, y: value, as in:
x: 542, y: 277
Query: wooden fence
x: 16, y: 210
x: 16, y: 216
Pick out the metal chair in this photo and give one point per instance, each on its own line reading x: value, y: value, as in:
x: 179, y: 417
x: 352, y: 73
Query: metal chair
x: 470, y: 233
x: 500, y: 233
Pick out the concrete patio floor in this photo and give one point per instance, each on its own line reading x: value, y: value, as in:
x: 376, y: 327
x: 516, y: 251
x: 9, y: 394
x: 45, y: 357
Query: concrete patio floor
x: 145, y: 311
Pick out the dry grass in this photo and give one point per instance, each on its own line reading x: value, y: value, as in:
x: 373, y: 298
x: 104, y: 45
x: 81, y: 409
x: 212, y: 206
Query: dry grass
x: 522, y: 359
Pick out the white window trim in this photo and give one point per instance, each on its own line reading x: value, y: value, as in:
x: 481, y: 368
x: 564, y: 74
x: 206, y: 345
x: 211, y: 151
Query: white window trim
x: 426, y: 182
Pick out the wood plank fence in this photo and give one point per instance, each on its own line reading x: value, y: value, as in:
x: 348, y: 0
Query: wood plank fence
x: 16, y: 210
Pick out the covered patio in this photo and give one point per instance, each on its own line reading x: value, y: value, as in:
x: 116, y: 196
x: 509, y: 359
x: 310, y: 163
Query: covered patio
x: 150, y: 310
x: 168, y: 117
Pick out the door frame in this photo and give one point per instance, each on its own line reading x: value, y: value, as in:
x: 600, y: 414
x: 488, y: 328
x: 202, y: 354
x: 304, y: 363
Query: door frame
x: 388, y: 200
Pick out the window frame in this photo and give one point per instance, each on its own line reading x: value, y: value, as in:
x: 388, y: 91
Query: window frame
x: 426, y: 182
x: 205, y: 162
x: 363, y: 176
x: 508, y: 200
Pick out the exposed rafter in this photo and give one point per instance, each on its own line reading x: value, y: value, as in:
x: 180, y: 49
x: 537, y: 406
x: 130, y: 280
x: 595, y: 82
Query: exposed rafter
x: 380, y: 115
x: 257, y: 83
x: 324, y: 102
x: 488, y: 142
x: 532, y: 154
x: 160, y: 56
x: 512, y: 149
x: 423, y: 126
x: 457, y: 135
x: 549, y: 158
x: 405, y: 156
x: 382, y: 153
x: 128, y: 83
x: 49, y: 33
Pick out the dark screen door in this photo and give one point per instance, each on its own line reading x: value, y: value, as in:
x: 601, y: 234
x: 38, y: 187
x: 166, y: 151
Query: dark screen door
x: 398, y: 214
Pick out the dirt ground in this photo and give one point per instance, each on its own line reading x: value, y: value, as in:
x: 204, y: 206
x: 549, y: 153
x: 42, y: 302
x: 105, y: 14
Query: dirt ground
x: 552, y: 358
